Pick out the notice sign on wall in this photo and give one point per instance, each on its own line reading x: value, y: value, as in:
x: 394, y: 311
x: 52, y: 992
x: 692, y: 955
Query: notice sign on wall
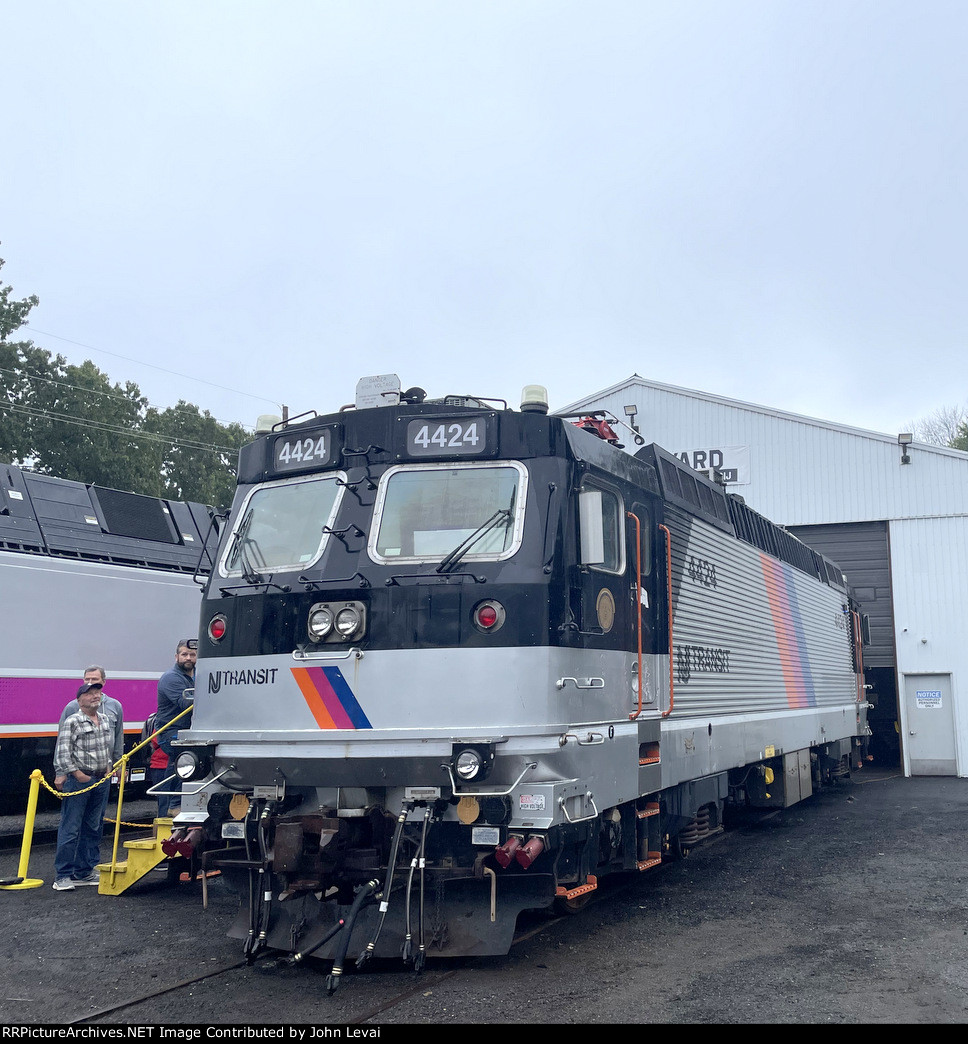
x: 928, y: 699
x: 732, y: 461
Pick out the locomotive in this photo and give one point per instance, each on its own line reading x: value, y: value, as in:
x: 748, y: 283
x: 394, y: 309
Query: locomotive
x: 67, y: 545
x: 458, y: 661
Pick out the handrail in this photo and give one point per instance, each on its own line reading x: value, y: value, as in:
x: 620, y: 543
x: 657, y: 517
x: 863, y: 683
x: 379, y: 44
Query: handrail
x: 665, y: 529
x: 123, y: 762
x: 858, y: 654
x: 638, y: 601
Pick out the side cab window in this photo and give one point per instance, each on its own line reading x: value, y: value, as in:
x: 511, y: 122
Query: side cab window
x: 601, y: 516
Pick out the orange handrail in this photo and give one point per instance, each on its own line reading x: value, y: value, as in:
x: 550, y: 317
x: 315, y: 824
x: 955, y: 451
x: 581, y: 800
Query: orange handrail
x: 665, y: 529
x: 858, y: 654
x: 638, y: 601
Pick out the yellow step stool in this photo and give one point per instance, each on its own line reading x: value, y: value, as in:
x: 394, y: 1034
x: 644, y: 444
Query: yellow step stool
x: 144, y: 854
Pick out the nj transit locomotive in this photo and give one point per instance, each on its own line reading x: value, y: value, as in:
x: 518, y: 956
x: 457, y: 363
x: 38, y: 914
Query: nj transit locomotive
x: 457, y: 661
x: 87, y: 575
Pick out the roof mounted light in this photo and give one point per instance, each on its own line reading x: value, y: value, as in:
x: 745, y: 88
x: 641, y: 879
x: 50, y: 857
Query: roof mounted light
x: 534, y: 399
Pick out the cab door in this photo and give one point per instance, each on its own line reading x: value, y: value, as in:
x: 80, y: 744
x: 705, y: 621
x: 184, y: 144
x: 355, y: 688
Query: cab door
x: 603, y: 564
x: 645, y: 554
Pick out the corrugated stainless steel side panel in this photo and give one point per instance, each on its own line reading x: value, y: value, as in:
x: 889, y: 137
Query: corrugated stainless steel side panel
x: 752, y: 634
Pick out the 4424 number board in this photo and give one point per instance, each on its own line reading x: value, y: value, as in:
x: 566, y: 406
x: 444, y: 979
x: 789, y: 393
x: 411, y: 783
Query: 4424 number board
x: 295, y: 451
x: 466, y: 436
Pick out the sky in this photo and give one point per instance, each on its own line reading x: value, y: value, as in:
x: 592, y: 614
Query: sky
x: 254, y: 203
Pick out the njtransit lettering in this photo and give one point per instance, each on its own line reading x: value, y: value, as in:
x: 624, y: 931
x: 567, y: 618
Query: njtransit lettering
x: 256, y: 676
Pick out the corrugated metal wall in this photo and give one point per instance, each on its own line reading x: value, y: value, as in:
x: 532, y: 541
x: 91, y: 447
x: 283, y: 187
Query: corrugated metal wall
x: 861, y: 551
x: 802, y: 471
x: 906, y: 531
x: 929, y: 569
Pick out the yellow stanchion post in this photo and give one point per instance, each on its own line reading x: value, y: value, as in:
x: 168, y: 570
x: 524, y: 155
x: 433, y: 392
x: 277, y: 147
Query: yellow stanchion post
x: 117, y: 824
x: 22, y: 880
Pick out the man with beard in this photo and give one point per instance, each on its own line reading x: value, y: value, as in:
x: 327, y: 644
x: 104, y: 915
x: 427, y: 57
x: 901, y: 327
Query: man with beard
x: 171, y: 702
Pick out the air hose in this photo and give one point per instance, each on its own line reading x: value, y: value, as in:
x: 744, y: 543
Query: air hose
x: 333, y: 979
x: 384, y: 895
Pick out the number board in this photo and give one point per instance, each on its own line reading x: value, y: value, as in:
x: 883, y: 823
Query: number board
x: 468, y: 436
x: 304, y: 451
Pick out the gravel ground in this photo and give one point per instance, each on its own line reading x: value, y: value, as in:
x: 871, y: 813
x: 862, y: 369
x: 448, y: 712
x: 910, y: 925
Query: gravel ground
x: 848, y: 908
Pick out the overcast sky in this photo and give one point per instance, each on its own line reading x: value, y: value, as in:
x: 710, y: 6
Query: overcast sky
x: 757, y: 198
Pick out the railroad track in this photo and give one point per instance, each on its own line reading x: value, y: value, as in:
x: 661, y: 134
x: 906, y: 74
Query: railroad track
x: 416, y: 984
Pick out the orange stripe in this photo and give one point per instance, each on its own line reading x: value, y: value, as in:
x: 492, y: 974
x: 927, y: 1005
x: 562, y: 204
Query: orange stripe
x: 313, y: 700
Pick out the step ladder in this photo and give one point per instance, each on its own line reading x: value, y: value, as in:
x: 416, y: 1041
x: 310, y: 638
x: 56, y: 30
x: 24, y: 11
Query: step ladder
x: 144, y: 854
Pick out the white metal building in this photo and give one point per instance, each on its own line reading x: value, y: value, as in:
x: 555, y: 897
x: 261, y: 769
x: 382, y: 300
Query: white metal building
x: 898, y: 528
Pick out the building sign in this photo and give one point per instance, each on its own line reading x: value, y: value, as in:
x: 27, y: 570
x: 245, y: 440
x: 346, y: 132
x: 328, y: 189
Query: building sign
x: 732, y: 461
x: 928, y: 699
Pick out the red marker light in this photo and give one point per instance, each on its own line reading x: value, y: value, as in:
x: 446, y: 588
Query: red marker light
x: 217, y: 628
x: 488, y: 616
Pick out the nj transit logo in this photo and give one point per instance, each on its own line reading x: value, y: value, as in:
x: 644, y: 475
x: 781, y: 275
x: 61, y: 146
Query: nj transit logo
x: 329, y: 698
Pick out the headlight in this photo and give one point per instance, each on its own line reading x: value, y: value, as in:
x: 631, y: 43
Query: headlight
x: 472, y: 764
x: 336, y: 621
x: 191, y: 764
x: 348, y: 621
x: 320, y: 623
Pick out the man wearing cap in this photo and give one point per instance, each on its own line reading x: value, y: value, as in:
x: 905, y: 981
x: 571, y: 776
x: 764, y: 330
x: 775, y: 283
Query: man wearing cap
x: 172, y: 700
x: 96, y: 675
x: 83, y: 755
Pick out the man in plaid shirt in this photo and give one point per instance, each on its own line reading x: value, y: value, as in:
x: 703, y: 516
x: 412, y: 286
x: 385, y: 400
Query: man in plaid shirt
x: 84, y: 754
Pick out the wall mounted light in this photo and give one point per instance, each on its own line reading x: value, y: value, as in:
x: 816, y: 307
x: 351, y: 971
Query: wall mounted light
x: 904, y: 440
x: 630, y: 411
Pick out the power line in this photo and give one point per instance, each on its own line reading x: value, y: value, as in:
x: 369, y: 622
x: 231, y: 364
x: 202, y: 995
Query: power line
x: 63, y: 418
x: 139, y: 362
x: 114, y: 395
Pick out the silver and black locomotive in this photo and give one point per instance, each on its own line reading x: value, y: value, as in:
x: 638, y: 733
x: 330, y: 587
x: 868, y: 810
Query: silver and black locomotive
x: 458, y: 661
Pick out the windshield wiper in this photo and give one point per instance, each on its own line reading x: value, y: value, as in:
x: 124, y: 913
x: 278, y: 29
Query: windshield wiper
x: 240, y: 543
x: 502, y: 514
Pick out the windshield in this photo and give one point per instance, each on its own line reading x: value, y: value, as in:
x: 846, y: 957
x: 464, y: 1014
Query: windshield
x: 428, y: 512
x: 281, y: 527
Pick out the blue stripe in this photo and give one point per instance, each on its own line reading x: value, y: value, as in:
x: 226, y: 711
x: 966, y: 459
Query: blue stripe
x: 345, y: 695
x: 811, y: 691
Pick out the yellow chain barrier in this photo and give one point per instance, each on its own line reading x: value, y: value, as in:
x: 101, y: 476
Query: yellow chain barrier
x: 37, y: 780
x: 121, y: 764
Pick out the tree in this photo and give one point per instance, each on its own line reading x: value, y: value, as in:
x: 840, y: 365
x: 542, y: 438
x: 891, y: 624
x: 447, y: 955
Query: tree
x: 942, y: 427
x: 71, y: 421
x: 197, y: 454
x: 86, y: 429
x: 19, y: 360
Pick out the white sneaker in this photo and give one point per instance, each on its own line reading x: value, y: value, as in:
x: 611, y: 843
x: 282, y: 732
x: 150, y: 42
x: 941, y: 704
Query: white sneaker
x: 64, y: 884
x: 91, y: 879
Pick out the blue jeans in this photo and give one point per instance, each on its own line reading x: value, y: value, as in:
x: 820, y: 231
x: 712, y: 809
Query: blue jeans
x: 168, y: 801
x: 165, y: 801
x: 80, y: 830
